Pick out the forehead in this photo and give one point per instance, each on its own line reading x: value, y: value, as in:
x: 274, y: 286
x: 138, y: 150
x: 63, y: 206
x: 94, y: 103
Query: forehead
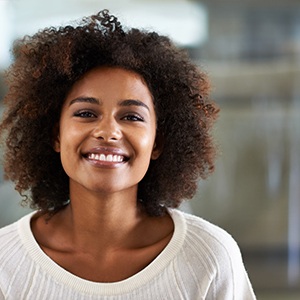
x: 111, y: 87
x: 111, y: 80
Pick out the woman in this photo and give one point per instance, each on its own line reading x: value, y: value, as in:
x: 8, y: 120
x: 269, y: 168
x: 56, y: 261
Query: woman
x: 107, y: 131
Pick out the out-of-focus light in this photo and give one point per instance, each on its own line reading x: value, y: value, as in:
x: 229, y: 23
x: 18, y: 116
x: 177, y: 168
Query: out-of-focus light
x: 183, y: 21
x: 5, y: 33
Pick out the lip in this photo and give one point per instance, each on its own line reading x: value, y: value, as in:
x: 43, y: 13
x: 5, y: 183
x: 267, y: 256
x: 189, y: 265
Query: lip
x: 114, y: 155
x: 106, y: 151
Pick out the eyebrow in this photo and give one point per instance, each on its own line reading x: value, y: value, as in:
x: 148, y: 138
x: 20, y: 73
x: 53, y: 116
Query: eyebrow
x: 92, y: 100
x: 85, y: 99
x: 129, y: 102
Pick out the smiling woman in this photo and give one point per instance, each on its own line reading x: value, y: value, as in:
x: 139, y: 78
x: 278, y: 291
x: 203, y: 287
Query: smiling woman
x: 107, y: 131
x: 105, y: 138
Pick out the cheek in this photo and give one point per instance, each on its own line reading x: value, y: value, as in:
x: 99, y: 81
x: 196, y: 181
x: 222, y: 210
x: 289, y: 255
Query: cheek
x: 145, y: 143
x: 69, y: 143
x: 71, y: 134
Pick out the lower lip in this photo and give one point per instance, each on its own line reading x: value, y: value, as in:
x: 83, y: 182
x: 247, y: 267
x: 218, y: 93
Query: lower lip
x: 104, y: 164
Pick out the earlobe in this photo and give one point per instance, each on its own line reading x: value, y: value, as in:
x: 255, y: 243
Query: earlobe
x: 56, y: 144
x: 56, y: 139
x: 158, y: 147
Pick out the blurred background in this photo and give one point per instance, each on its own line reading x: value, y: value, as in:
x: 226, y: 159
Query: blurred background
x: 251, y: 51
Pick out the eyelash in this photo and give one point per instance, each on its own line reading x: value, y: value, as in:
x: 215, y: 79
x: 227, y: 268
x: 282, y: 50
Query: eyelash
x: 133, y: 118
x: 84, y: 114
x: 88, y: 114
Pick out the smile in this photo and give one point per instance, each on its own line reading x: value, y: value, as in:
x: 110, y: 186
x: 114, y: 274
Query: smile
x: 106, y: 158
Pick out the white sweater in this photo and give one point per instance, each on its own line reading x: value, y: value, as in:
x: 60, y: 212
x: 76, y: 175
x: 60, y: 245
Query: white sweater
x: 201, y: 261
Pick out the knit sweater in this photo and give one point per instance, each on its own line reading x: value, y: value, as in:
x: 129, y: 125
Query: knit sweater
x: 201, y: 261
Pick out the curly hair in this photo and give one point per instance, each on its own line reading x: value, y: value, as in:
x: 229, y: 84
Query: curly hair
x: 46, y: 66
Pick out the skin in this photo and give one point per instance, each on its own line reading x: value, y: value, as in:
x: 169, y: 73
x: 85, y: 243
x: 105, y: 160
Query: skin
x: 108, y: 112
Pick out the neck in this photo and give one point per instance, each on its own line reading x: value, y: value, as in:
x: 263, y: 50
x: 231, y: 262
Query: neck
x: 112, y: 217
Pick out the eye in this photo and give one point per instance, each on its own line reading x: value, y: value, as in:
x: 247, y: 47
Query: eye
x: 133, y: 118
x: 85, y: 114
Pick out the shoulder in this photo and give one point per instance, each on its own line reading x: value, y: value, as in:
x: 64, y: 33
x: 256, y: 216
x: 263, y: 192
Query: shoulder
x: 209, y: 246
x: 14, y: 259
x: 205, y: 234
x: 8, y: 234
x: 12, y: 237
x: 9, y: 246
x: 213, y: 256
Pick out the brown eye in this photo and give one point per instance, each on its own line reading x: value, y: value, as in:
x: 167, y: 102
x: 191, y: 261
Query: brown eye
x: 133, y: 118
x: 85, y: 114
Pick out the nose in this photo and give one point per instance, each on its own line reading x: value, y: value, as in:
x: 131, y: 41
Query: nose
x: 107, y: 129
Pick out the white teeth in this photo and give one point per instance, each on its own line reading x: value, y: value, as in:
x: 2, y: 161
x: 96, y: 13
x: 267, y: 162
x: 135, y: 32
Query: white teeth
x: 103, y: 157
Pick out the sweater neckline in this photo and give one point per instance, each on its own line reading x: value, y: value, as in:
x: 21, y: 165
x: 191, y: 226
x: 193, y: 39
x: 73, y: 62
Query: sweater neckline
x: 113, y: 288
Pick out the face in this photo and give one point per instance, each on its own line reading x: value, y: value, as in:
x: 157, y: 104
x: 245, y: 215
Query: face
x: 107, y: 131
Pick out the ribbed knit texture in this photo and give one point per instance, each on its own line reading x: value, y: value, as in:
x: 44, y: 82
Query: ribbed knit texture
x: 201, y: 261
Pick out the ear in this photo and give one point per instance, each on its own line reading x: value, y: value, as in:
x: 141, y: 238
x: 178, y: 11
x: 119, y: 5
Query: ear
x: 56, y: 138
x: 158, y: 146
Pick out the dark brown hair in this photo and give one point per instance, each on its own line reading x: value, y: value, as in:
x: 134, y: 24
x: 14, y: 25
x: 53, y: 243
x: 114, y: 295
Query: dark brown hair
x: 48, y: 63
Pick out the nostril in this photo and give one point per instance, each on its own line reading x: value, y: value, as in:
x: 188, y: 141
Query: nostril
x: 102, y: 137
x: 107, y: 130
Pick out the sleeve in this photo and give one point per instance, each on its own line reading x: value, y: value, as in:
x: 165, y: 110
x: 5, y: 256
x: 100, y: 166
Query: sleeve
x: 231, y: 281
